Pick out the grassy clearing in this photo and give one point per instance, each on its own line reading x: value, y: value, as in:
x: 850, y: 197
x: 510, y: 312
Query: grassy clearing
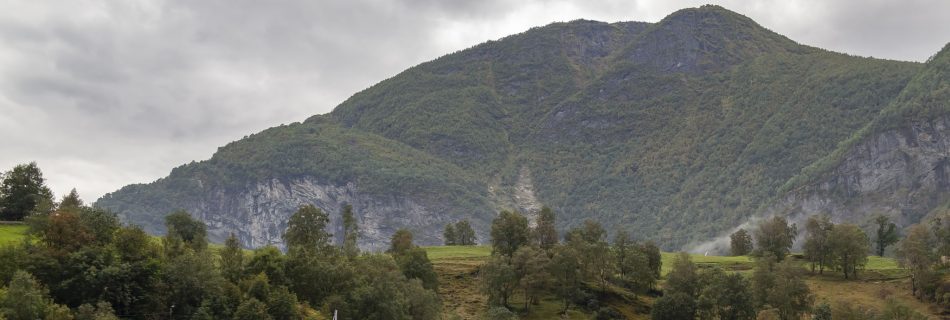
x: 12, y: 233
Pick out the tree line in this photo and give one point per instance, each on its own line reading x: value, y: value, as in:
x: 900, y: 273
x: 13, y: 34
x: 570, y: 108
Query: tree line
x: 80, y: 262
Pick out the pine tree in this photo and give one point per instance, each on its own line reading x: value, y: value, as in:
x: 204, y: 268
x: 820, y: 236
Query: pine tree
x: 71, y: 201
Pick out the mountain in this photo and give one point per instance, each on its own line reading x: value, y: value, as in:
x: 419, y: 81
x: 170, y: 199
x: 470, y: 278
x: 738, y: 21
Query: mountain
x: 678, y: 130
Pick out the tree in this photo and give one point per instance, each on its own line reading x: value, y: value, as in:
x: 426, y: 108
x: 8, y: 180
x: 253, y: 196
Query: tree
x: 282, y: 304
x: 306, y: 230
x: 252, y: 309
x: 465, y: 233
x: 790, y: 294
x: 101, y: 311
x: 886, y: 234
x: 849, y: 246
x: 775, y: 236
x: 741, y: 242
x: 674, y: 306
x: 63, y: 232
x: 232, y: 259
x: 499, y: 280
x: 351, y: 231
x: 531, y: 267
x: 817, y: 248
x: 23, y: 192
x: 654, y: 258
x: 683, y: 277
x: 415, y: 264
x: 270, y: 261
x: 191, y: 231
x: 449, y: 235
x: 623, y: 252
x: 509, y: 231
x: 71, y: 201
x: 916, y: 253
x: 189, y: 279
x: 727, y: 296
x: 25, y: 298
x: 546, y: 231
x: 565, y: 269
x: 101, y: 224
x: 401, y: 242
x: 780, y: 286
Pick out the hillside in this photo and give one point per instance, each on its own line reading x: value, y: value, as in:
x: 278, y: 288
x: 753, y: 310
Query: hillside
x: 677, y: 130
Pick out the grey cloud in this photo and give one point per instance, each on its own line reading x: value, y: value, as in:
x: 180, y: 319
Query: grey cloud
x: 107, y: 93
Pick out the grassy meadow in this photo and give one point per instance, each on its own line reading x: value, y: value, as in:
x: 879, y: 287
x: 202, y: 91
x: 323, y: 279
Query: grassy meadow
x: 12, y: 233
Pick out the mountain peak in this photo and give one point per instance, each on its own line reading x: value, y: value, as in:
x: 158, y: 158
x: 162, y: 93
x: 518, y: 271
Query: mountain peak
x: 707, y: 38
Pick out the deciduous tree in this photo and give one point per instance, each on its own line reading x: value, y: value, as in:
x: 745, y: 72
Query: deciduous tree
x: 740, y: 242
x: 886, y: 234
x: 23, y: 192
x: 509, y: 231
x: 775, y: 236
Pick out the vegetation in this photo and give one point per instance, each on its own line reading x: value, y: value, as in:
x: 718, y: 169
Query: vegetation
x: 461, y: 233
x: 740, y: 243
x: 83, y: 264
x: 673, y: 155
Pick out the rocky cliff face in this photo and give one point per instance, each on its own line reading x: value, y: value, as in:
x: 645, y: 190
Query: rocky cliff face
x: 902, y: 173
x: 258, y: 216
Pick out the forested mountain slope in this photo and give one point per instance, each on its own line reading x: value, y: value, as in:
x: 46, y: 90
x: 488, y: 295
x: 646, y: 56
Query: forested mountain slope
x: 677, y: 130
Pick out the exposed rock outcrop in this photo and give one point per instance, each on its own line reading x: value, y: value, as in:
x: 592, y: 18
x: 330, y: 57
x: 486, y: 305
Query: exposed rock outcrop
x: 258, y: 216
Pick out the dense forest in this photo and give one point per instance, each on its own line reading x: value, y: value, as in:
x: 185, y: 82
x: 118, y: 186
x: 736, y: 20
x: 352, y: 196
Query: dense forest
x: 81, y: 262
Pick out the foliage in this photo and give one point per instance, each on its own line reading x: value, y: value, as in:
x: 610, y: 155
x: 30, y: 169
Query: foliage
x: 232, y: 260
x: 694, y: 150
x: 817, y: 247
x: 886, y: 234
x: 415, y: 264
x: 465, y: 233
x: 191, y: 231
x: 674, y: 306
x: 449, y: 235
x: 499, y: 280
x: 546, y: 229
x: 740, y: 243
x: 849, y: 248
x: 401, y: 242
x: 508, y: 232
x: 306, y: 230
x: 351, y: 233
x: 775, y: 236
x: 23, y: 192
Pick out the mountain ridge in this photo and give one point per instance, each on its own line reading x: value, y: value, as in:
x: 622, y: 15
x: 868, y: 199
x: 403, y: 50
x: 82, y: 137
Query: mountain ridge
x: 678, y: 138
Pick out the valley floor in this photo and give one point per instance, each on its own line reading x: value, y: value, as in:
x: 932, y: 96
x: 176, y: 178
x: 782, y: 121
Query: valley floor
x: 457, y: 267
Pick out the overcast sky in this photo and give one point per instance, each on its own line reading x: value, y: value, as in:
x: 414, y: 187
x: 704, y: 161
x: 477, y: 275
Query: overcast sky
x: 107, y: 93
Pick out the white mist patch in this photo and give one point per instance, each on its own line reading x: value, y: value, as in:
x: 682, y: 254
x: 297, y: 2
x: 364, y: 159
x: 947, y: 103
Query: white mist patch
x: 721, y: 245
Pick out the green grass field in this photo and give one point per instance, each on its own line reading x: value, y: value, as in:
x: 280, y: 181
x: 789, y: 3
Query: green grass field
x: 12, y: 233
